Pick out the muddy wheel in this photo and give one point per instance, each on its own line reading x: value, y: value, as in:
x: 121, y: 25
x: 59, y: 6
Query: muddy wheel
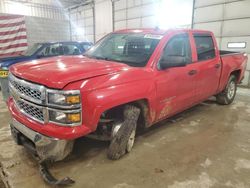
x: 228, y: 94
x: 123, y: 133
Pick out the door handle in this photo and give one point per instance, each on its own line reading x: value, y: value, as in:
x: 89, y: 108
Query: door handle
x: 192, y: 72
x: 217, y: 66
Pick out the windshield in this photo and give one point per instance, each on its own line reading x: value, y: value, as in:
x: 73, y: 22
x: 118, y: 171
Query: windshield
x: 131, y: 48
x: 32, y: 49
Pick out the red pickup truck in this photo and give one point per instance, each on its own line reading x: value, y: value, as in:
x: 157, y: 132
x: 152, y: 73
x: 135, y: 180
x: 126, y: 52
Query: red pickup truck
x: 131, y: 79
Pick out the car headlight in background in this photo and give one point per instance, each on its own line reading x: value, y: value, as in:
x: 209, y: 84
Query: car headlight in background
x: 72, y: 118
x: 4, y: 72
x: 67, y: 99
x: 4, y: 68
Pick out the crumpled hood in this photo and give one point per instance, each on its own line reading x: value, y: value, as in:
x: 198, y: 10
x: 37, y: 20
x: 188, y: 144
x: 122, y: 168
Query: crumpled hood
x: 59, y: 71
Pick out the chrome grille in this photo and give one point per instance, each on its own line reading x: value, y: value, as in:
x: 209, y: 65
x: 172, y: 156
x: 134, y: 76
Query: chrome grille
x: 29, y: 91
x: 26, y: 90
x: 32, y: 100
x: 31, y: 111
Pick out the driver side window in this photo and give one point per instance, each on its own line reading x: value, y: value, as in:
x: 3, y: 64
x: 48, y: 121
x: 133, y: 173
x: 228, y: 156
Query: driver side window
x: 51, y: 50
x: 178, y: 46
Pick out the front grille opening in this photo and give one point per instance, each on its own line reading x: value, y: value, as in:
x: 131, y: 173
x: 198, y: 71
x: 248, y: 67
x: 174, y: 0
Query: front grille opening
x: 31, y: 111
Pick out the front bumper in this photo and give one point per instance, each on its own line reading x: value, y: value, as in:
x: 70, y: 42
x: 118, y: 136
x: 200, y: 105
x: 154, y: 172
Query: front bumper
x: 46, y: 148
x: 50, y: 129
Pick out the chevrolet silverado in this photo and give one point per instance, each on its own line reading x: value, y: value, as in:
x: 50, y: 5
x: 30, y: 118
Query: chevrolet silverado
x: 129, y: 80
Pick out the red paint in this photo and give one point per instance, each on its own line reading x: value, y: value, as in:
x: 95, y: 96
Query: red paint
x: 13, y: 31
x: 14, y: 46
x: 105, y: 84
x: 10, y: 17
x: 12, y: 24
x: 11, y: 54
x: 13, y: 39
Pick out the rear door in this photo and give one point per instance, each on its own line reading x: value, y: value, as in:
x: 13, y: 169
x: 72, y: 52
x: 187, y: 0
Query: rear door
x: 175, y: 86
x: 207, y: 66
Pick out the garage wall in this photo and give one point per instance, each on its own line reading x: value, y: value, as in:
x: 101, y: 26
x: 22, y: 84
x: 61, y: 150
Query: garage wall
x: 82, y: 23
x: 152, y: 13
x: 94, y: 20
x: 135, y: 14
x: 103, y: 18
x: 49, y: 9
x: 230, y: 22
x: 44, y: 22
x: 46, y: 30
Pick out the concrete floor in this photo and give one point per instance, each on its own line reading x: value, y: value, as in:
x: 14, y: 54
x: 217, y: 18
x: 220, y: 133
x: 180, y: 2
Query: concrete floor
x: 206, y: 146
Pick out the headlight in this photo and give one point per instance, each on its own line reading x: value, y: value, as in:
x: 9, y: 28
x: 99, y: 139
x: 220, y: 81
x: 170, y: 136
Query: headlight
x: 4, y: 72
x: 65, y: 118
x: 4, y: 68
x: 70, y: 100
x: 64, y: 98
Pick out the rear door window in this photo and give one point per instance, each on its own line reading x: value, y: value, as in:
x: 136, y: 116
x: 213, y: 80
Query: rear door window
x: 204, y: 46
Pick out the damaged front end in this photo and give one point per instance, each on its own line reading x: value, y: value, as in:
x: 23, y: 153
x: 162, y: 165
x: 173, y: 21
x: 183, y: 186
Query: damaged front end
x: 44, y: 149
x: 44, y: 106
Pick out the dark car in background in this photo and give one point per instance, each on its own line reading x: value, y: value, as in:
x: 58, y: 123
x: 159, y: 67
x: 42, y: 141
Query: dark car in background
x: 38, y: 51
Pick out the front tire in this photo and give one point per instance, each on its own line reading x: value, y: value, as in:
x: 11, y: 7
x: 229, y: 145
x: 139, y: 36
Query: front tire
x: 228, y: 94
x: 123, y: 135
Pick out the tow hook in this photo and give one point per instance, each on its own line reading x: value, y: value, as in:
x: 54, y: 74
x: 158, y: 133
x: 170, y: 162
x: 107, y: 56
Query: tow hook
x: 50, y: 179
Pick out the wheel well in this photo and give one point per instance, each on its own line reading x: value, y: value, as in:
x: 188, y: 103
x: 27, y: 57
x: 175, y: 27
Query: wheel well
x: 237, y: 74
x: 117, y: 112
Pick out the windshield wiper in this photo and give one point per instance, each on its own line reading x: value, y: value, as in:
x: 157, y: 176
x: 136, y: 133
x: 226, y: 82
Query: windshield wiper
x: 115, y: 60
x: 102, y: 58
x: 96, y: 57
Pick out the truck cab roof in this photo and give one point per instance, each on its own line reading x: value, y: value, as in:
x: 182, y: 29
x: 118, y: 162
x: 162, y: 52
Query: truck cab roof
x: 159, y: 31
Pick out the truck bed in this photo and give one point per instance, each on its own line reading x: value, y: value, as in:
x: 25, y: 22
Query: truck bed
x: 231, y: 61
x: 225, y: 52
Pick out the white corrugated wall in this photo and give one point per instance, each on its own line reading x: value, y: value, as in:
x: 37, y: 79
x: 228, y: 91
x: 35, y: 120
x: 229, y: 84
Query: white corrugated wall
x: 106, y: 15
x: 46, y: 30
x: 103, y: 18
x: 44, y: 22
x: 229, y: 20
x: 82, y: 23
x: 92, y: 21
x: 45, y: 9
x: 135, y: 13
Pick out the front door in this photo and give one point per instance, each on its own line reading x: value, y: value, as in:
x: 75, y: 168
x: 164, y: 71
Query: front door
x: 175, y: 86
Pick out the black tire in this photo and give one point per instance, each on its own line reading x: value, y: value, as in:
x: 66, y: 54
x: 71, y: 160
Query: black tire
x: 118, y: 145
x: 228, y: 94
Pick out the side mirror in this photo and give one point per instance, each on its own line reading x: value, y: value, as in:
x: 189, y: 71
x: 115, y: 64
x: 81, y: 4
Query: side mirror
x: 173, y: 61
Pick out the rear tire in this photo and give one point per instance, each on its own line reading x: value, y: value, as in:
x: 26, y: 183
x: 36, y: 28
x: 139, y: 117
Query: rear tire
x: 123, y: 138
x: 228, y: 94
